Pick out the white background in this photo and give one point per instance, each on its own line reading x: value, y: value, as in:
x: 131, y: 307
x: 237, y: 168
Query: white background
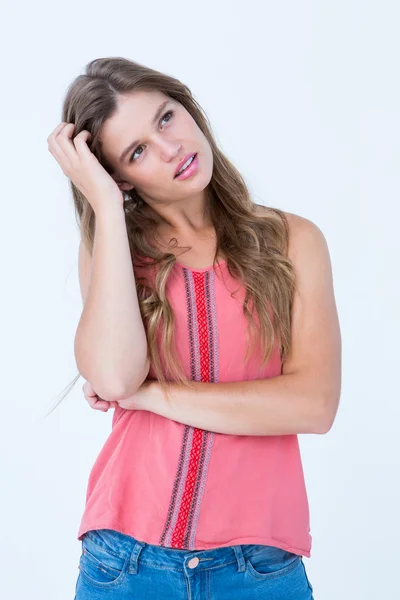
x: 304, y: 99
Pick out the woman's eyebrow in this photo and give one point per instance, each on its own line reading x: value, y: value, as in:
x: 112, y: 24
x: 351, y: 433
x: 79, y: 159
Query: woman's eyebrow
x: 154, y: 120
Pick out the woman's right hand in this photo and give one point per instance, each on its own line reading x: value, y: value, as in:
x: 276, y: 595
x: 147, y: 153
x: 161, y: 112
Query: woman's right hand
x: 81, y: 166
x: 95, y: 401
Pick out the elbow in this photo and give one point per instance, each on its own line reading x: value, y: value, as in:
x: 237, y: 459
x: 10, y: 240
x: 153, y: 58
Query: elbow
x: 322, y: 427
x: 122, y: 391
x: 325, y: 419
x: 113, y: 391
x: 111, y: 380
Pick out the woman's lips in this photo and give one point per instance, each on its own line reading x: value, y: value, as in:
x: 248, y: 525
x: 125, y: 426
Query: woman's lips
x: 190, y: 170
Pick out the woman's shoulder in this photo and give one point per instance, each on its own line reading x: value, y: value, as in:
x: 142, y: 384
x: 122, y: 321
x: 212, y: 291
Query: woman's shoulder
x: 293, y: 219
x: 303, y: 232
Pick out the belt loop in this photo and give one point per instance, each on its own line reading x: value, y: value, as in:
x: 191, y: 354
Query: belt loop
x: 133, y: 560
x: 240, y: 558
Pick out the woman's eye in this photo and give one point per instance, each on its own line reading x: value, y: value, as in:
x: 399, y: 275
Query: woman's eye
x: 132, y: 156
x: 170, y: 112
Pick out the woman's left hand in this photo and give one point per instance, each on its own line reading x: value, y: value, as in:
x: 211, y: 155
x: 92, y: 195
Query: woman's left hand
x: 135, y: 402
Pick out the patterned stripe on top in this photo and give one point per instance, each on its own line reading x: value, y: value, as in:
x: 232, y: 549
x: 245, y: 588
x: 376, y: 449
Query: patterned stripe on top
x: 193, y: 463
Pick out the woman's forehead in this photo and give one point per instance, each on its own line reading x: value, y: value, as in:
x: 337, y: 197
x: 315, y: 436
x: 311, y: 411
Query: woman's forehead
x: 132, y: 119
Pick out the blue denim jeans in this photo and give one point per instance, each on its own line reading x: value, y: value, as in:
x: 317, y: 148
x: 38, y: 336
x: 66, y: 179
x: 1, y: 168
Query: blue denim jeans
x: 115, y: 565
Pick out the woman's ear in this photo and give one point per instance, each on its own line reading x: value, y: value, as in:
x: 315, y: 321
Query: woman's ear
x: 124, y: 186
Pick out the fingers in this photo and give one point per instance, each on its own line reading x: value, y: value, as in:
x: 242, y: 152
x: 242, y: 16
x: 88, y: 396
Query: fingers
x: 102, y: 405
x: 82, y: 136
x: 62, y: 142
x: 55, y: 149
x: 88, y: 389
x: 80, y: 143
x: 54, y: 133
x: 97, y: 404
x: 68, y: 151
x: 94, y: 400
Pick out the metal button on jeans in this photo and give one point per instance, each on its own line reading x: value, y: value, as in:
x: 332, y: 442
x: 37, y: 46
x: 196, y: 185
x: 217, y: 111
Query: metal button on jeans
x: 193, y: 562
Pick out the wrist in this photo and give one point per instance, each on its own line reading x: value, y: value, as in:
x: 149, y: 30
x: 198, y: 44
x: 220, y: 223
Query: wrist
x: 110, y: 218
x: 153, y: 397
x: 105, y: 213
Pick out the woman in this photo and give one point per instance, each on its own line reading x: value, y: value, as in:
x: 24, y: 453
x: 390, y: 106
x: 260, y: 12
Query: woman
x: 198, y: 490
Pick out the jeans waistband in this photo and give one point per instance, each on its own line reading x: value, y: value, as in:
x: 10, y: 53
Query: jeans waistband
x: 127, y: 547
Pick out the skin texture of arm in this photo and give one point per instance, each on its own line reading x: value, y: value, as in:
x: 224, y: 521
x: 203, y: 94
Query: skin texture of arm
x: 305, y: 397
x: 110, y: 342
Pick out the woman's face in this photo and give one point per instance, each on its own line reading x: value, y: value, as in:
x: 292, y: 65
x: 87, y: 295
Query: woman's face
x: 151, y: 151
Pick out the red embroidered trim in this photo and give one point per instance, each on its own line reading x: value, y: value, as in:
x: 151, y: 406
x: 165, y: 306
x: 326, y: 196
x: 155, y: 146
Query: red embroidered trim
x: 180, y: 527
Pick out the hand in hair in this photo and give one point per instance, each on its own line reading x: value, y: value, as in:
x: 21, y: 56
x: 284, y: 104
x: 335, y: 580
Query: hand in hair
x: 82, y: 167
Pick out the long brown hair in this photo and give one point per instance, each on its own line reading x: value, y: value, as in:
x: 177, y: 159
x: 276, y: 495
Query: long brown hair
x: 253, y: 242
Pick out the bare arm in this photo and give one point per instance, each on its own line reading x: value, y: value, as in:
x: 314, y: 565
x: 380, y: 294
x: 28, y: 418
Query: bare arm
x: 281, y: 405
x: 110, y: 342
x: 305, y: 397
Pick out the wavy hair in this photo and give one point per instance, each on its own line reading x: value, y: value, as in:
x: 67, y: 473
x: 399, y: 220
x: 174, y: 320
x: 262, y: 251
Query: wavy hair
x: 253, y: 242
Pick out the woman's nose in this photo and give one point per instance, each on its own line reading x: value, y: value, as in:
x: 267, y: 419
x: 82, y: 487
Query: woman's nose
x: 169, y: 150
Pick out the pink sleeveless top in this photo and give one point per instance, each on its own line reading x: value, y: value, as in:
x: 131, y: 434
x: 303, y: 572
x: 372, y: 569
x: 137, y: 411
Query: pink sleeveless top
x: 173, y: 485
